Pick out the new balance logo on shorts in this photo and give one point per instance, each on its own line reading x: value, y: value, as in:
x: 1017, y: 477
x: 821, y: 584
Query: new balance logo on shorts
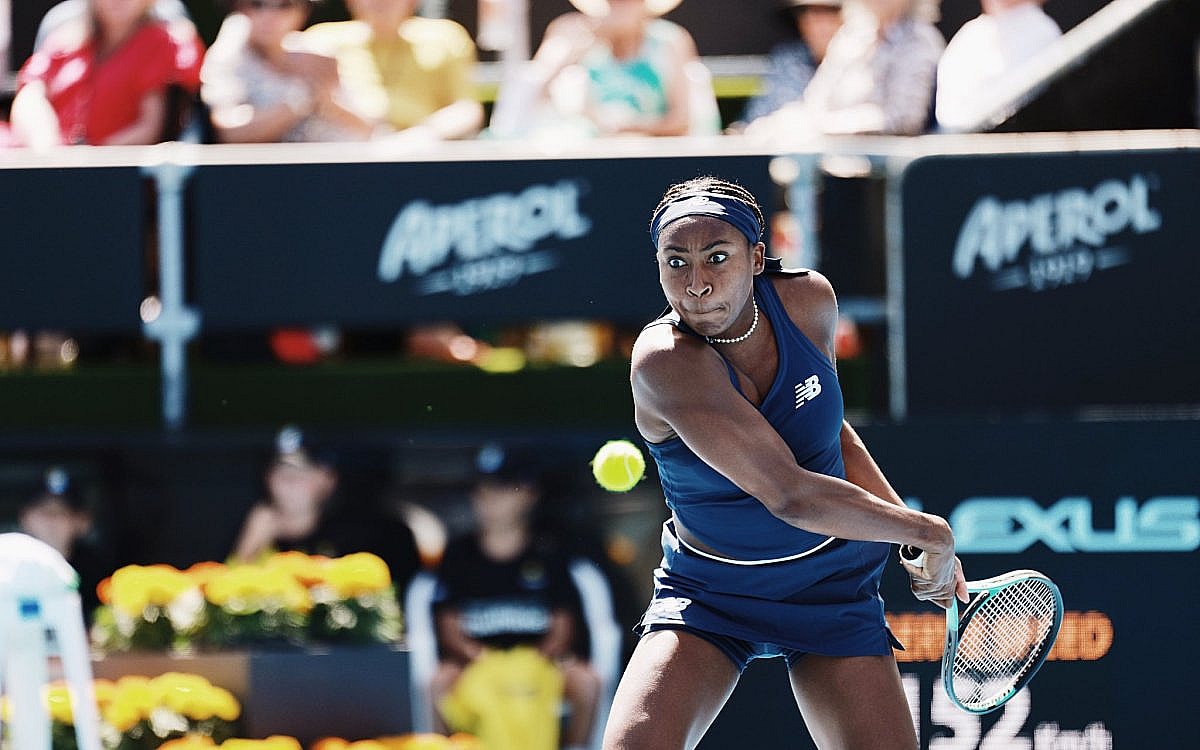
x: 808, y: 390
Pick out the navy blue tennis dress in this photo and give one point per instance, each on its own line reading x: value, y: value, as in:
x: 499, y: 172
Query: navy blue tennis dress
x: 783, y: 591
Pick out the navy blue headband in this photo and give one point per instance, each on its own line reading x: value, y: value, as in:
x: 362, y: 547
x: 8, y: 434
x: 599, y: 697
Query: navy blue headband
x: 729, y: 210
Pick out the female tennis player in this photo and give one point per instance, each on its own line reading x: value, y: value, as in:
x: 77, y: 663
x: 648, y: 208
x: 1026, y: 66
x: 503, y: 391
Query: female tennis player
x: 780, y: 519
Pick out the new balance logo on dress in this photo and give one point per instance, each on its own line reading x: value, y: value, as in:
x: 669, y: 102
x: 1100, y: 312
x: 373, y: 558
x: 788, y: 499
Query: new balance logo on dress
x: 808, y: 390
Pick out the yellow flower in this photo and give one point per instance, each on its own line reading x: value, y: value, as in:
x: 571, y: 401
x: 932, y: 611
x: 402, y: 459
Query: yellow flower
x: 133, y: 698
x: 425, y: 741
x: 252, y: 588
x: 224, y: 705
x: 357, y: 574
x: 121, y: 715
x: 58, y: 702
x: 189, y: 742
x: 104, y: 690
x: 274, y: 742
x: 135, y: 587
x: 281, y: 742
x: 307, y: 569
x: 186, y: 694
x: 366, y: 745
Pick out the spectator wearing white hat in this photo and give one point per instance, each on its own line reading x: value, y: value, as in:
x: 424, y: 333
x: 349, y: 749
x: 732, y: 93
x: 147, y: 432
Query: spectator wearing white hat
x: 987, y: 53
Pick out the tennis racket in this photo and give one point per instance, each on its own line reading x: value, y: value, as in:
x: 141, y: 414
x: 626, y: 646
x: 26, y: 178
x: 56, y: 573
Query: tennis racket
x: 1001, y: 639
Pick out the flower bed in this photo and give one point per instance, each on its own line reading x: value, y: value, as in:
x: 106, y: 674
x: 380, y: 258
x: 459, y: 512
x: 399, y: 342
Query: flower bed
x: 141, y: 713
x: 291, y: 598
x: 180, y: 711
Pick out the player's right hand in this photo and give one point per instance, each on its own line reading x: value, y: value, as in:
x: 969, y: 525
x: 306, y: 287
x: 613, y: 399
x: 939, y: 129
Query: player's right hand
x: 936, y: 577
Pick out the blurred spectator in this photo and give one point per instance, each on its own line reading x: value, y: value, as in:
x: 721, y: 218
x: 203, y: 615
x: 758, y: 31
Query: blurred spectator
x: 985, y: 53
x: 257, y: 91
x: 508, y: 585
x: 410, y: 74
x: 613, y: 68
x: 304, y: 512
x: 57, y: 514
x: 111, y: 77
x: 72, y: 11
x: 877, y: 76
x: 791, y: 64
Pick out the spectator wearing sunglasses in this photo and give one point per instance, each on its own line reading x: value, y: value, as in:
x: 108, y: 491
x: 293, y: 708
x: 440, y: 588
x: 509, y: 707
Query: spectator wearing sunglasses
x: 259, y: 91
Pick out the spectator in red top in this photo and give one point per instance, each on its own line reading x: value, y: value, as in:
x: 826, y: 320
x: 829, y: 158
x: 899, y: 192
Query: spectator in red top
x: 105, y: 80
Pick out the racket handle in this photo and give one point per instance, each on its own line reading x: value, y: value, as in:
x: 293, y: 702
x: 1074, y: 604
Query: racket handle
x: 914, y: 556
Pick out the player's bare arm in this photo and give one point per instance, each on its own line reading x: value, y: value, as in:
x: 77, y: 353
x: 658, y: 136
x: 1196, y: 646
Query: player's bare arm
x: 684, y: 385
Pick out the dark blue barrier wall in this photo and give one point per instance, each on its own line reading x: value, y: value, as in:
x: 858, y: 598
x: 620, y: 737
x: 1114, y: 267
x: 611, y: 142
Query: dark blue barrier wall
x: 1051, y: 282
x: 378, y: 244
x: 73, y: 248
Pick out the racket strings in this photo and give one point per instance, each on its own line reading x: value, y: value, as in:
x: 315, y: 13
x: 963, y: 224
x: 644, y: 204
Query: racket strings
x: 1001, y: 640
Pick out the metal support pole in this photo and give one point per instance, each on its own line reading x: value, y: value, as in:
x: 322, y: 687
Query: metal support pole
x: 897, y: 344
x: 802, y: 199
x: 176, y: 323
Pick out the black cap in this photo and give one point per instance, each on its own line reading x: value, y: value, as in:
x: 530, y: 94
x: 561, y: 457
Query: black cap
x: 295, y: 447
x: 506, y: 463
x: 57, y: 484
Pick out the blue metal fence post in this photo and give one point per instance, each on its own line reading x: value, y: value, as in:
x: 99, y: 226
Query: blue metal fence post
x: 176, y: 323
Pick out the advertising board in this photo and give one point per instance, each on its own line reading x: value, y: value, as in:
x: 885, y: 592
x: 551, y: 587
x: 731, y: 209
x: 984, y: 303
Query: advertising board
x: 377, y: 244
x: 1050, y: 283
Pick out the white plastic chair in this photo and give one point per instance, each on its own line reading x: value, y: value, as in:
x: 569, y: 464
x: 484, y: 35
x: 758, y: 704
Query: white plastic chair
x: 39, y: 593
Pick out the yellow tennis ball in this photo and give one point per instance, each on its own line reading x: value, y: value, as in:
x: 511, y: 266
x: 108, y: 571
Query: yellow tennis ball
x: 618, y: 466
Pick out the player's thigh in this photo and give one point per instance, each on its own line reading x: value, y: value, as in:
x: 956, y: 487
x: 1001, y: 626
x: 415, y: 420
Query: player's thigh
x: 673, y: 687
x: 853, y: 702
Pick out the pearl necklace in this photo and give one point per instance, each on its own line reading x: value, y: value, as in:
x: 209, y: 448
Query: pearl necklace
x: 744, y: 336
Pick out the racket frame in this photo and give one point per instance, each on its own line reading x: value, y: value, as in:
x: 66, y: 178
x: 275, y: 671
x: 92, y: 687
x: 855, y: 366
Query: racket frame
x: 985, y: 589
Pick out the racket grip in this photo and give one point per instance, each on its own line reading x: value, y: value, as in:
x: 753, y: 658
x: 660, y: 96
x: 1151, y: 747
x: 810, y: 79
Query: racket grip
x: 914, y: 556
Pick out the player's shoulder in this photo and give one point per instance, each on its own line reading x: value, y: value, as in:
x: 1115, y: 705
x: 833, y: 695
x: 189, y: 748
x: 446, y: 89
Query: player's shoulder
x: 666, y: 356
x: 663, y: 341
x: 804, y: 286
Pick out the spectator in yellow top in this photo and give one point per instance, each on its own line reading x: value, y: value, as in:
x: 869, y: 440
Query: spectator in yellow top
x: 406, y: 73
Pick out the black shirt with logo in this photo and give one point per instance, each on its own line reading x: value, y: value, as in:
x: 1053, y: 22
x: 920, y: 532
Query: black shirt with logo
x: 504, y: 603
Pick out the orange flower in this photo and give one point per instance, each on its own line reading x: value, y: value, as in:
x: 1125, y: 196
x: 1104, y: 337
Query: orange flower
x: 104, y: 590
x: 203, y: 572
x: 330, y: 743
